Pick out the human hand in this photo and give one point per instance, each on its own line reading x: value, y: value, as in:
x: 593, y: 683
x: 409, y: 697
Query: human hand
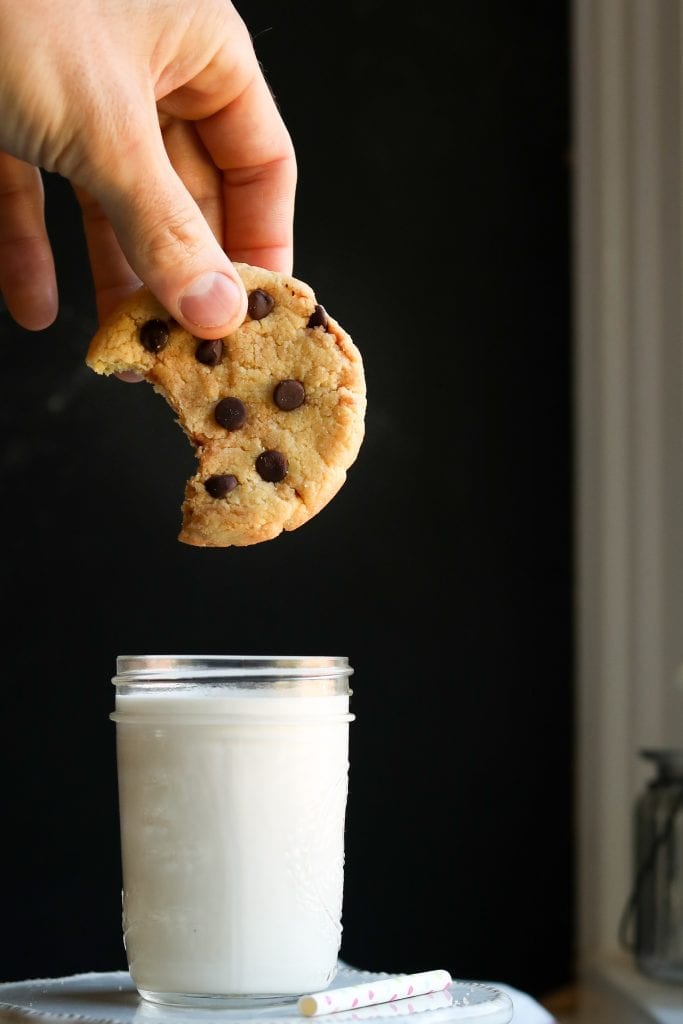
x: 160, y: 117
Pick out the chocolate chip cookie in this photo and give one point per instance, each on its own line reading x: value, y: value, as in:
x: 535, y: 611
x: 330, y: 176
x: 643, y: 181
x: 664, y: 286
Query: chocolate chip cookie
x: 275, y: 410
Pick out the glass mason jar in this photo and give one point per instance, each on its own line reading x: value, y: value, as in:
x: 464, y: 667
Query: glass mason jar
x: 232, y: 776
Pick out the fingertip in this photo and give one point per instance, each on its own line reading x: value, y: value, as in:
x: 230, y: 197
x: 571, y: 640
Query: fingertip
x: 213, y: 305
x: 28, y: 284
x: 40, y: 321
x: 34, y: 311
x: 129, y: 376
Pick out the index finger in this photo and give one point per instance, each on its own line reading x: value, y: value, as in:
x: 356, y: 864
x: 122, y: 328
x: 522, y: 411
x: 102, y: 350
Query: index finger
x: 248, y: 140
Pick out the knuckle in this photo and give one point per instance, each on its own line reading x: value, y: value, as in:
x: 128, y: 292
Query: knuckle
x: 171, y: 233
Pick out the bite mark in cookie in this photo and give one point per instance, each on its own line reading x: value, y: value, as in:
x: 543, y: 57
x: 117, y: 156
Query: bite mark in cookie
x: 275, y: 410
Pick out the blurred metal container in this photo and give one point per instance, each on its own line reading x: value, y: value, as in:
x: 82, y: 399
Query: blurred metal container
x: 654, y: 912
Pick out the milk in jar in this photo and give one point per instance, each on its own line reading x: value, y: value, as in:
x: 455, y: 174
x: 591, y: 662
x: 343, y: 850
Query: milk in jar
x: 232, y: 802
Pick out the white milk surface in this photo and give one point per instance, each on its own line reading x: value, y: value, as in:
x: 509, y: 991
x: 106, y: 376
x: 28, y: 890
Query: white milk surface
x: 232, y: 833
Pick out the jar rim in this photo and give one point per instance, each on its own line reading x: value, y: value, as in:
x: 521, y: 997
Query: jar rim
x: 158, y: 667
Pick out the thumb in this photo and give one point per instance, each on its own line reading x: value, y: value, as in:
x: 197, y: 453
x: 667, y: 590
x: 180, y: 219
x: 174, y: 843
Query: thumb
x: 169, y: 244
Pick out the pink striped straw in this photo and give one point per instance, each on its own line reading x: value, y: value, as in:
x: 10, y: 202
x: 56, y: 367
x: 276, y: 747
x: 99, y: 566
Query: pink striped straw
x: 386, y: 990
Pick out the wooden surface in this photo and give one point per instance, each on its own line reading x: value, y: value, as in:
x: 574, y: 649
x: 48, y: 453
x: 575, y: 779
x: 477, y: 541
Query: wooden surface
x: 593, y: 1004
x: 614, y: 991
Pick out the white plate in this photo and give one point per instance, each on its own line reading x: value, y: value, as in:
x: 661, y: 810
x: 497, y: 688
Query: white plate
x: 111, y: 998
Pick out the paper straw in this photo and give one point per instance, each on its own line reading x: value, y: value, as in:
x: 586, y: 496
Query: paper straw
x: 432, y: 1001
x: 403, y: 986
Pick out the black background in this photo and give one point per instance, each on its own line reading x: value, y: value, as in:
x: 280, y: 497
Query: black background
x: 433, y: 222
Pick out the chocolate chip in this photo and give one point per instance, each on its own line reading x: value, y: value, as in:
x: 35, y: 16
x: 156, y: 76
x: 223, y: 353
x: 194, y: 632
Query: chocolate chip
x: 230, y: 413
x: 220, y: 485
x: 209, y: 352
x: 272, y: 466
x: 154, y: 335
x: 318, y: 318
x: 260, y: 304
x: 289, y: 394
